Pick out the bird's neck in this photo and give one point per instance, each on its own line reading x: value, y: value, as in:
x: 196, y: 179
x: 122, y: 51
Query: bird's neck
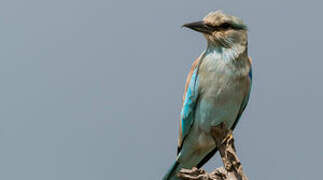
x: 226, y: 54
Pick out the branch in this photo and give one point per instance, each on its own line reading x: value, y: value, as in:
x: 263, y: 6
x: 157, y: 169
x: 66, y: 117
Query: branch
x: 232, y: 169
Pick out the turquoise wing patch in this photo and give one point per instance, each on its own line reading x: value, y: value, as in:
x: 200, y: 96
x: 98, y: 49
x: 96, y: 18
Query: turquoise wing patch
x: 187, y: 113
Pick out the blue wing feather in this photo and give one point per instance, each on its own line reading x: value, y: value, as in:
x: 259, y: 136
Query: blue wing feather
x: 187, y: 113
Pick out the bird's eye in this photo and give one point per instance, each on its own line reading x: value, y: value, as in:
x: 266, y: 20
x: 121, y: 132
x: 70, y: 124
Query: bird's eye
x: 225, y: 26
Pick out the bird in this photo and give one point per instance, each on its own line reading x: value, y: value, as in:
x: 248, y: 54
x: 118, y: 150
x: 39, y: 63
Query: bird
x: 217, y: 89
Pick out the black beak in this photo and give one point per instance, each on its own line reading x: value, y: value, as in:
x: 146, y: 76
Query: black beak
x: 199, y: 26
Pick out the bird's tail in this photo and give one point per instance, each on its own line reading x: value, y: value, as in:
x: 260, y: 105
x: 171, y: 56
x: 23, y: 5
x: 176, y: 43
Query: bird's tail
x: 172, y: 172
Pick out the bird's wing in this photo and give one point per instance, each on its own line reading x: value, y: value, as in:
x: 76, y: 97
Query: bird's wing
x: 189, y: 103
x: 246, y: 98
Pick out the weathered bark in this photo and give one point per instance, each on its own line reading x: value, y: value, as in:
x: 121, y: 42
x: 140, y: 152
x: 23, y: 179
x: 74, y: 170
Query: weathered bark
x: 232, y: 169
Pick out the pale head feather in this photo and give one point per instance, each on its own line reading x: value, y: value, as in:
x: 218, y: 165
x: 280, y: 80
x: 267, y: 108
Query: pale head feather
x: 234, y: 34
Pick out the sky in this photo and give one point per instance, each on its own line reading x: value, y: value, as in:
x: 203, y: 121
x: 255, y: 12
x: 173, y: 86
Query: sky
x: 92, y: 89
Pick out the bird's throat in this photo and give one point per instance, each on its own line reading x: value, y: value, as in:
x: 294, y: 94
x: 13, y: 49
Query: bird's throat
x: 225, y: 54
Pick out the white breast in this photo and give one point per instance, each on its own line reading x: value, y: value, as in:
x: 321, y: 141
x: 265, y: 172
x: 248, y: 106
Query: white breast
x: 223, y: 83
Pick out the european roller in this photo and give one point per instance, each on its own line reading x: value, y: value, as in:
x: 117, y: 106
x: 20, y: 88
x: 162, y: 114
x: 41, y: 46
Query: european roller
x: 217, y: 89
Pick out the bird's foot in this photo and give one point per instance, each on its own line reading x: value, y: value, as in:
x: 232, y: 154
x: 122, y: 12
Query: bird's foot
x: 194, y: 173
x: 221, y: 134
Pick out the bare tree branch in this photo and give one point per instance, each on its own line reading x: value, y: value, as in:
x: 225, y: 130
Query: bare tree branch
x: 232, y: 169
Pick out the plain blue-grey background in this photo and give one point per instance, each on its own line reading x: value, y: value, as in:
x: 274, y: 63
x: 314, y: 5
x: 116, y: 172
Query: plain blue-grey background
x: 91, y: 90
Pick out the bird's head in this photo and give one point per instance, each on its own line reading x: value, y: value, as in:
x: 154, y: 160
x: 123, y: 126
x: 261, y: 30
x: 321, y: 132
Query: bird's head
x: 221, y: 30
